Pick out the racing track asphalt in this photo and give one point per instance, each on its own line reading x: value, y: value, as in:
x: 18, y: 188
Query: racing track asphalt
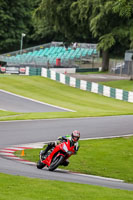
x: 16, y: 103
x: 22, y: 132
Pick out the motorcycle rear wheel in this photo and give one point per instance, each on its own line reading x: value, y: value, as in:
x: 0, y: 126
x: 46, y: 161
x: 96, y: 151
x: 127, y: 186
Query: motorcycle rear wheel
x: 56, y: 163
x: 40, y: 165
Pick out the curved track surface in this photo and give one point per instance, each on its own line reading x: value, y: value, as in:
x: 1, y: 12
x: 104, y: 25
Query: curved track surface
x: 22, y: 132
x: 13, y: 102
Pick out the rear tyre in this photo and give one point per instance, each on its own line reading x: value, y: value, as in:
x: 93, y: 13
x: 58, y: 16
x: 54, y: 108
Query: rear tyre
x: 56, y: 163
x: 40, y: 165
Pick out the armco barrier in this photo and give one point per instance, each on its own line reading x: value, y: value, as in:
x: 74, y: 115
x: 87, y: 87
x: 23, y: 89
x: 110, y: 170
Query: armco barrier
x: 86, y: 85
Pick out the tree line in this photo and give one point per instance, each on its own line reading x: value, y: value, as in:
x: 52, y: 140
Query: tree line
x: 106, y: 22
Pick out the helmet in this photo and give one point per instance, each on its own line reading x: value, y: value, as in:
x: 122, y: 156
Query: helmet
x: 75, y: 135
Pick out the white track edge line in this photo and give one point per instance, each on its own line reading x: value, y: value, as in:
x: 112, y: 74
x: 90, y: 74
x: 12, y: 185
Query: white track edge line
x: 41, y: 144
x: 36, y: 101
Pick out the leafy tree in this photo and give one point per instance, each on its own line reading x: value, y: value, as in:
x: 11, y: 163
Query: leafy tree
x: 103, y: 25
x: 109, y: 24
x: 43, y: 31
x: 124, y: 8
x: 62, y: 17
x: 109, y: 21
x: 15, y: 19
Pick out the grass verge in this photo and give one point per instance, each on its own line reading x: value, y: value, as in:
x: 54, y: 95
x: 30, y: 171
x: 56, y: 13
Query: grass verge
x: 122, y: 84
x: 6, y: 114
x: 105, y: 157
x: 43, y: 89
x: 22, y: 188
x: 98, y: 72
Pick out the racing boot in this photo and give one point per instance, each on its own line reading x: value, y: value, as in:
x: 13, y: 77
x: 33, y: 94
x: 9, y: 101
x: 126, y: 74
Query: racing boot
x: 44, y: 152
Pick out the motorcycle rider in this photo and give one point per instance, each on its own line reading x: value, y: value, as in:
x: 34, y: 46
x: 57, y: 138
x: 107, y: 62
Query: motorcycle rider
x: 73, y: 138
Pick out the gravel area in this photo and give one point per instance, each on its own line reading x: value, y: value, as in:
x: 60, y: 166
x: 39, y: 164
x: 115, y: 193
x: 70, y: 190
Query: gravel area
x: 99, y: 77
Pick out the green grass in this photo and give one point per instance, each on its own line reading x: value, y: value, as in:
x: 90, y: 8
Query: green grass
x: 105, y: 157
x: 22, y: 188
x: 3, y: 113
x: 122, y: 84
x: 85, y: 73
x: 43, y: 89
x: 97, y: 160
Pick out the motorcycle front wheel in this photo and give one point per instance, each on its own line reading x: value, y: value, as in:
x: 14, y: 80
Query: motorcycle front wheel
x: 40, y: 165
x: 56, y: 163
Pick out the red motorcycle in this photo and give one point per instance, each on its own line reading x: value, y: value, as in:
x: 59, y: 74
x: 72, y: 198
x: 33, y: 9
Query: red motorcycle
x: 56, y: 156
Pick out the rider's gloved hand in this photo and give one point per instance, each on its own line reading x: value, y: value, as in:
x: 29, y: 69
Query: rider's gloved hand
x: 52, y: 144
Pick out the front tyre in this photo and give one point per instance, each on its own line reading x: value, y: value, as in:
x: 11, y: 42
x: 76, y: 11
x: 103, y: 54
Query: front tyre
x: 56, y: 163
x: 40, y: 165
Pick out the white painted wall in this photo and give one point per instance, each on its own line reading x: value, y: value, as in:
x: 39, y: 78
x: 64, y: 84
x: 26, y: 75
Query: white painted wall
x: 64, y: 70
